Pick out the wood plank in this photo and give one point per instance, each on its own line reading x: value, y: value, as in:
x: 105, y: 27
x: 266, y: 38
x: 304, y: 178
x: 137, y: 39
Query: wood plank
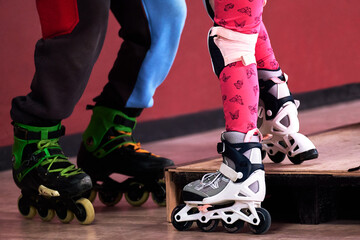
x: 338, y: 152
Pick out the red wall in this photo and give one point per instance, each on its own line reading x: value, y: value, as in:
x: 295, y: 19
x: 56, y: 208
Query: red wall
x: 316, y: 43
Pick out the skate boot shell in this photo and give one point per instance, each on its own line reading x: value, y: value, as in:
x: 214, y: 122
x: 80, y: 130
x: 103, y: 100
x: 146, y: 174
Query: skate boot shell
x: 278, y: 118
x: 49, y: 183
x: 107, y: 148
x: 233, y: 194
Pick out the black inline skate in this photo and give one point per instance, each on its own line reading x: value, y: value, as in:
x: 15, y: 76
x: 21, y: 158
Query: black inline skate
x: 108, y: 147
x: 49, y: 183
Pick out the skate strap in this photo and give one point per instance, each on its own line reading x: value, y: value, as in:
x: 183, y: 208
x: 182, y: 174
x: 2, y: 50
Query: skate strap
x: 120, y: 120
x: 226, y: 147
x: 243, y: 166
x: 271, y: 102
x: 25, y: 134
x: 116, y: 142
x: 230, y: 173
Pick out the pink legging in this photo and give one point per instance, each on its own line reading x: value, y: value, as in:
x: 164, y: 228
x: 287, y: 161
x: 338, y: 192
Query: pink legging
x: 239, y: 83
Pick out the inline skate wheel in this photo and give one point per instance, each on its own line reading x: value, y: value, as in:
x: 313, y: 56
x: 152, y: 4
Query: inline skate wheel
x: 181, y: 226
x: 234, y: 227
x: 301, y: 157
x: 85, y: 214
x: 110, y: 198
x: 209, y: 226
x: 136, y: 195
x: 263, y: 154
x: 46, y: 214
x: 265, y: 222
x: 25, y: 208
x: 65, y: 215
x: 91, y: 195
x: 278, y: 157
x: 159, y: 196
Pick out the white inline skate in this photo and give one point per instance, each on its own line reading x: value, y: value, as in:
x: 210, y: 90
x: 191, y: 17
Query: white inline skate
x: 278, y: 119
x: 233, y: 194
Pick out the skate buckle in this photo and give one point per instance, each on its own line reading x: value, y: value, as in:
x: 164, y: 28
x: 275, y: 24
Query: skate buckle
x: 204, y: 208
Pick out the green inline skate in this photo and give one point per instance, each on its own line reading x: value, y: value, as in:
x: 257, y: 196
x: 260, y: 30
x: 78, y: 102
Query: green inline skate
x: 108, y: 147
x: 50, y: 184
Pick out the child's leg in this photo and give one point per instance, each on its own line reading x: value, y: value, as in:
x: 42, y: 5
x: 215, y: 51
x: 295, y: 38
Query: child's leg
x: 237, y: 74
x: 278, y: 111
x: 264, y: 53
x: 232, y: 47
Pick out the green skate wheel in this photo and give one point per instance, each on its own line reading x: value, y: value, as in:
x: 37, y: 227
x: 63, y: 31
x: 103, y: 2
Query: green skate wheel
x: 181, y: 226
x: 65, y: 215
x: 85, y: 214
x: 46, y: 214
x: 234, y: 227
x: 209, y: 226
x: 159, y: 196
x: 25, y: 208
x: 265, y: 222
x: 136, y: 195
x: 110, y: 198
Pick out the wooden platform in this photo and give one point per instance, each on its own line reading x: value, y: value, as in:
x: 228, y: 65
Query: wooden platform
x: 311, y: 193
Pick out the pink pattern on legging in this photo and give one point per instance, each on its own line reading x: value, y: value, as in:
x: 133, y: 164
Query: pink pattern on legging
x: 264, y: 53
x: 239, y: 83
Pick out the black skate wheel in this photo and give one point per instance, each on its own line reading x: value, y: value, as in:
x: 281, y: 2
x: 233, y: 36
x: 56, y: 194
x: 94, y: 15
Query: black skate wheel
x: 46, y: 214
x: 159, y: 196
x: 234, y: 227
x: 263, y: 154
x: 181, y: 226
x: 136, y: 195
x: 110, y: 198
x: 278, y: 157
x: 85, y: 211
x: 25, y: 208
x: 301, y: 157
x: 65, y: 215
x: 265, y: 222
x: 209, y: 226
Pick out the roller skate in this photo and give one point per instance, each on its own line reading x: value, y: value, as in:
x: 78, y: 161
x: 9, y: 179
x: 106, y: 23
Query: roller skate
x: 49, y: 183
x: 108, y: 147
x: 233, y: 194
x: 278, y: 119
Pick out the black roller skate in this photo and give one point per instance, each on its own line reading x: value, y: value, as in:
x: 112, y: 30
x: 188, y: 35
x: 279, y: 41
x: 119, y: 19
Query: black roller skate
x: 49, y: 183
x: 108, y: 147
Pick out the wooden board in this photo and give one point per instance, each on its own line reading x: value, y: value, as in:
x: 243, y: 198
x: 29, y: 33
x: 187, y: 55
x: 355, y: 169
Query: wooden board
x: 339, y: 151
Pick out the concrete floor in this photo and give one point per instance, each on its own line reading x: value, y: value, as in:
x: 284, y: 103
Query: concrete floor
x: 149, y: 221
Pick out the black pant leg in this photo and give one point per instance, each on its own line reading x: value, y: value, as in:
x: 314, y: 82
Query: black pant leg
x: 63, y: 66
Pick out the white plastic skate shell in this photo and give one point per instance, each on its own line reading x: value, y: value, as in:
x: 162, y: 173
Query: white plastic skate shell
x: 241, y: 194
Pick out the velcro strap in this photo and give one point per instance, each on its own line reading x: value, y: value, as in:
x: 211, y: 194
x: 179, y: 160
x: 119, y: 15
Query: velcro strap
x: 25, y: 134
x: 230, y: 173
x: 117, y: 141
x: 124, y: 121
